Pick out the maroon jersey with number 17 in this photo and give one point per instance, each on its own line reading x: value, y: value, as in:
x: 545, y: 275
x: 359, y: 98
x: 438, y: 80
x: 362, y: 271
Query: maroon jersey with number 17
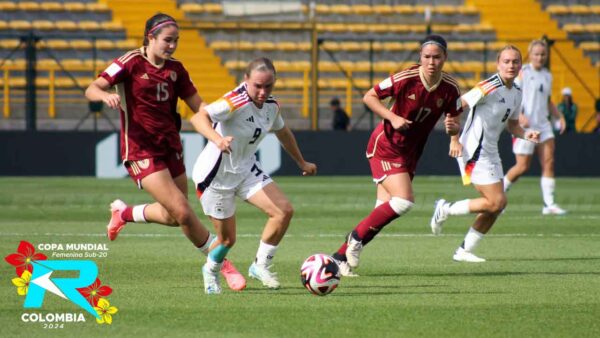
x: 150, y: 123
x: 415, y: 101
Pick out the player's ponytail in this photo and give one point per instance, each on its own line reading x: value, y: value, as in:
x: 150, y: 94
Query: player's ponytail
x: 156, y: 23
x: 261, y: 64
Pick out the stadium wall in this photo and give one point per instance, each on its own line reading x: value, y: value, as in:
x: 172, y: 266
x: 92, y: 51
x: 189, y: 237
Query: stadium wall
x: 336, y: 153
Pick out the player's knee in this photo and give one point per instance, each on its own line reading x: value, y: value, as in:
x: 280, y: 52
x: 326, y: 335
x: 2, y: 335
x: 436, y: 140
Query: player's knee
x: 229, y: 241
x: 400, y: 205
x: 182, y: 214
x: 284, y: 213
x: 497, y: 204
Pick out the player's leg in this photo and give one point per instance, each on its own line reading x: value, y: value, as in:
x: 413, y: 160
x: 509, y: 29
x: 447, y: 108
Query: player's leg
x: 121, y: 213
x: 488, y: 207
x: 523, y: 151
x: 399, y: 187
x: 522, y: 164
x: 547, y: 181
x: 226, y: 236
x: 168, y: 193
x: 382, y: 196
x: 273, y: 202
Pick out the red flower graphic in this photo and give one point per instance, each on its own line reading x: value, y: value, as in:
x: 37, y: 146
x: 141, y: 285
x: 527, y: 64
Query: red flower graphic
x: 23, y: 258
x: 95, y: 291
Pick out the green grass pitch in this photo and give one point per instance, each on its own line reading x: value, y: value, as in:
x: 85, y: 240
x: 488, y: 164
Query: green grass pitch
x: 542, y: 277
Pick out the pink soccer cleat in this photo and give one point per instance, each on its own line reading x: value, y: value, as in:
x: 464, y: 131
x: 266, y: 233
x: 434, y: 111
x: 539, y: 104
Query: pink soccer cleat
x: 116, y: 223
x: 234, y: 278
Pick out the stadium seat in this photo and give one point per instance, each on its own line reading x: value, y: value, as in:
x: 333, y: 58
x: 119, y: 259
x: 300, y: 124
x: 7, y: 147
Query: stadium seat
x: 265, y: 46
x: 81, y: 44
x: 557, y: 9
x: 128, y: 44
x: 19, y: 25
x: 9, y: 44
x: 66, y: 25
x: 361, y: 9
x: 590, y: 46
x: 55, y: 44
x: 97, y: 7
x: 111, y: 25
x: 75, y: 7
x: 51, y: 6
x: 88, y: 25
x: 104, y: 44
x: 383, y: 9
x: 192, y: 7
x: 28, y: 6
x: 8, y: 6
x: 340, y: 9
x: 43, y: 25
x: 213, y: 8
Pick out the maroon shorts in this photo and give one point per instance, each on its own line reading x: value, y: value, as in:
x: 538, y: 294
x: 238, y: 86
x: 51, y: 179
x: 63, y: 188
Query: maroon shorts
x: 139, y: 169
x: 380, y: 168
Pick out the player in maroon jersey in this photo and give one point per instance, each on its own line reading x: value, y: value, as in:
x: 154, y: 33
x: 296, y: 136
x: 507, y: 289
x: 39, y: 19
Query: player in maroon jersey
x: 421, y: 94
x: 148, y: 82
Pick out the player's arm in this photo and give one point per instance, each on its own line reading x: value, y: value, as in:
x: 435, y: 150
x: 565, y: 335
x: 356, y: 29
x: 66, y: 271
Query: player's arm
x: 99, y: 91
x: 557, y: 114
x: 288, y: 141
x: 194, y: 102
x: 203, y: 125
x: 517, y: 131
x: 371, y: 99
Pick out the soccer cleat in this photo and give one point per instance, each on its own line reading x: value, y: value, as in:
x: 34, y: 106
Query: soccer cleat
x: 116, y: 223
x: 263, y: 274
x: 439, y: 217
x: 212, y: 286
x: 234, y: 278
x: 353, y: 251
x: 464, y: 256
x: 345, y: 269
x: 554, y: 209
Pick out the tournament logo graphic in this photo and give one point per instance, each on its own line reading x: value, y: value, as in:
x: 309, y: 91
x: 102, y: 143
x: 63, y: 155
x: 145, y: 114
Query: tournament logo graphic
x: 34, y: 277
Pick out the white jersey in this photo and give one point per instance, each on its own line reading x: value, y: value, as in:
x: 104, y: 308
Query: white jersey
x: 537, y: 88
x: 492, y: 104
x: 235, y: 115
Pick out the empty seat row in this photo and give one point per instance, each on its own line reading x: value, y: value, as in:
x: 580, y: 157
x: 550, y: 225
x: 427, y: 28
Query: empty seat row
x: 53, y: 6
x: 573, y: 9
x: 348, y: 46
x: 576, y: 28
x: 342, y: 9
x: 62, y: 25
x: 80, y: 44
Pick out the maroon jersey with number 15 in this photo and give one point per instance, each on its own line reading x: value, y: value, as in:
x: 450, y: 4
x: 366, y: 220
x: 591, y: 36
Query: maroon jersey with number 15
x: 150, y: 123
x: 415, y: 101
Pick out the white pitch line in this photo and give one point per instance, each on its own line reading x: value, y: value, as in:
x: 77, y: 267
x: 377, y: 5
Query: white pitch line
x: 16, y: 234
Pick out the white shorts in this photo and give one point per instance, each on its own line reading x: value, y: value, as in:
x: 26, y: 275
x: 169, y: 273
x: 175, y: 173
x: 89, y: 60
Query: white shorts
x: 220, y: 203
x: 524, y: 147
x: 481, y: 172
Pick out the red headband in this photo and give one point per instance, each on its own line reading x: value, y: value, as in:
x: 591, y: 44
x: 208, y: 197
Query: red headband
x: 169, y: 22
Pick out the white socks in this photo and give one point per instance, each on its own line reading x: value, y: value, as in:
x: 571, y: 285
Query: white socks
x: 548, y: 184
x: 458, y: 208
x: 265, y: 253
x: 212, y: 265
x: 507, y: 183
x: 472, y: 239
x: 138, y: 213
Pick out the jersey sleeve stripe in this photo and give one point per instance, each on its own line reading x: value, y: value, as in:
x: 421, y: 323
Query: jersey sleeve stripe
x: 489, y: 85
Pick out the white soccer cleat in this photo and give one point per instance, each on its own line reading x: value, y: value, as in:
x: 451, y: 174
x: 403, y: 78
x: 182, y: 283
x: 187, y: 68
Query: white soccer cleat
x: 464, y: 256
x: 263, y: 274
x: 345, y: 269
x: 554, y: 209
x: 439, y: 217
x: 353, y: 251
x: 212, y: 286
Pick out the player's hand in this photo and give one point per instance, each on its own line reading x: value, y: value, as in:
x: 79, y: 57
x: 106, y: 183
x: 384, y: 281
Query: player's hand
x: 455, y: 149
x: 452, y: 127
x: 224, y: 144
x: 532, y: 136
x: 400, y: 123
x: 308, y: 169
x: 563, y: 125
x: 112, y: 100
x: 523, y: 121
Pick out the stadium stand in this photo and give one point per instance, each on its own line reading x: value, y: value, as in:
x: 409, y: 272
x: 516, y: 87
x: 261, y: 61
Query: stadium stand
x: 362, y: 42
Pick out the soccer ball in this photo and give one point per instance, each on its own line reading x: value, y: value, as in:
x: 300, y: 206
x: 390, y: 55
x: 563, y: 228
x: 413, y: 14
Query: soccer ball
x: 320, y: 274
